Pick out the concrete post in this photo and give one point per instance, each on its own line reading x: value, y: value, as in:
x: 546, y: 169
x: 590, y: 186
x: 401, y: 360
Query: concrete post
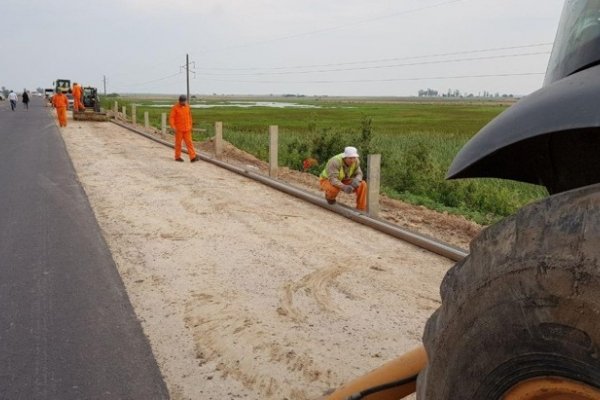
x: 218, y: 139
x: 133, y: 114
x: 374, y: 179
x: 124, y: 113
x: 146, y: 120
x: 163, y: 124
x: 273, y: 147
x: 116, y: 108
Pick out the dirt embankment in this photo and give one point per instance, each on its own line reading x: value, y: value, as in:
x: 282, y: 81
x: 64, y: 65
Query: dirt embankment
x: 452, y: 229
x: 243, y: 291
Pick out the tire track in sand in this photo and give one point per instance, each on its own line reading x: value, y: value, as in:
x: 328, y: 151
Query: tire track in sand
x: 316, y: 285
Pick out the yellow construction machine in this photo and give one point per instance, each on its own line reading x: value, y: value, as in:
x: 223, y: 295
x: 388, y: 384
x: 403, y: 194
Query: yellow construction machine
x: 63, y: 84
x: 520, y: 316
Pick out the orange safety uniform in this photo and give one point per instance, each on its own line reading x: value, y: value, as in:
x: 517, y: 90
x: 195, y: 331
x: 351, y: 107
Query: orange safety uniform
x: 337, y: 174
x: 331, y: 192
x: 77, y: 93
x: 180, y: 120
x: 60, y: 102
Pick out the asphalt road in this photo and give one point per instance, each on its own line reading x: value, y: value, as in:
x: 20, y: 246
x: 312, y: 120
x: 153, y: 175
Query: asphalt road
x: 67, y: 328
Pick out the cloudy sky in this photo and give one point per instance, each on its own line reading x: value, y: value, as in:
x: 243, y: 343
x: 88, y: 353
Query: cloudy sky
x: 310, y: 47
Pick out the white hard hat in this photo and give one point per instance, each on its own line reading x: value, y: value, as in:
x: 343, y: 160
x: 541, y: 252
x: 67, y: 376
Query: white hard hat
x: 350, y: 152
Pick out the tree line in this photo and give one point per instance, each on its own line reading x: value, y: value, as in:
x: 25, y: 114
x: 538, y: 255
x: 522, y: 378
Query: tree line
x: 455, y: 93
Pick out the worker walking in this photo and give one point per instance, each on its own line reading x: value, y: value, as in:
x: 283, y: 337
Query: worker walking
x: 77, y: 96
x: 12, y: 97
x: 180, y: 120
x: 342, y: 172
x: 60, y: 102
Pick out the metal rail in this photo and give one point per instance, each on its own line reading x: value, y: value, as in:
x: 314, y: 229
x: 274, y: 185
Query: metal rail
x: 425, y: 242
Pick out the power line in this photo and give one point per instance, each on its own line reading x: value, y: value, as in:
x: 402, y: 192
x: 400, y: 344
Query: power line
x: 333, y: 28
x: 147, y: 67
x: 387, y: 80
x: 363, y: 68
x: 382, y: 66
x: 378, y: 60
x: 154, y: 80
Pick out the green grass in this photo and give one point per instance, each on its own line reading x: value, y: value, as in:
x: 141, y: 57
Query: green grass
x: 417, y: 142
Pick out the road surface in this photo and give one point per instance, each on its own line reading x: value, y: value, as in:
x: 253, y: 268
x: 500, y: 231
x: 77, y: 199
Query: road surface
x: 67, y: 328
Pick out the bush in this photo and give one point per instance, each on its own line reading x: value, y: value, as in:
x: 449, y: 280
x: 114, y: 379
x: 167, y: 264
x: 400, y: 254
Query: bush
x: 413, y: 172
x: 297, y: 151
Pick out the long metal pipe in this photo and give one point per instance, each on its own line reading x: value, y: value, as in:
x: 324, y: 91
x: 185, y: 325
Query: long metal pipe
x: 425, y: 242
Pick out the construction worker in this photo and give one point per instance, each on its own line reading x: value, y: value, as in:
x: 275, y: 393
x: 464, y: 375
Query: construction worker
x: 180, y: 120
x: 343, y: 172
x: 308, y: 163
x: 60, y: 102
x: 77, y: 96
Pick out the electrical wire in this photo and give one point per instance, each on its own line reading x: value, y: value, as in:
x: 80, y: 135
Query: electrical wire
x: 371, y: 67
x: 378, y: 60
x: 154, y: 80
x: 381, y: 66
x: 386, y: 80
x: 333, y: 28
x: 151, y: 67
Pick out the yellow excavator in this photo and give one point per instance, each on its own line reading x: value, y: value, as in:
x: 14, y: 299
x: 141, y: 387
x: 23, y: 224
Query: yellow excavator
x: 520, y: 315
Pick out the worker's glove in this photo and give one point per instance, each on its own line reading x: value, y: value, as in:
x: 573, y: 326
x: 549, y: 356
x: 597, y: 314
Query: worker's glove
x: 355, y: 183
x: 347, y: 189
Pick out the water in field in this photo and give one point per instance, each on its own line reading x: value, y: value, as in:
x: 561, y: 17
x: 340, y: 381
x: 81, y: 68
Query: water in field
x: 246, y: 104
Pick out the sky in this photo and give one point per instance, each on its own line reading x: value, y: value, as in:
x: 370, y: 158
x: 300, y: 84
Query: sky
x: 261, y: 47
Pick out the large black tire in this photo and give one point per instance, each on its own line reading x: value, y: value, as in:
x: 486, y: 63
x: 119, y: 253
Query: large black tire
x: 524, y: 303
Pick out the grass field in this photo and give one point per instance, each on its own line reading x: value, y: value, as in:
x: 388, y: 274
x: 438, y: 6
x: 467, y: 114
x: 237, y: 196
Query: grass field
x: 417, y: 141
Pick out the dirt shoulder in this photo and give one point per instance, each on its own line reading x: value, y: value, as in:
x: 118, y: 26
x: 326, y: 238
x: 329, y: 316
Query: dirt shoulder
x: 452, y: 229
x: 244, y: 291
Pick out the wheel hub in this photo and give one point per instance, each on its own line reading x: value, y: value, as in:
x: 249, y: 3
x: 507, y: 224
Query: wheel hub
x: 552, y: 388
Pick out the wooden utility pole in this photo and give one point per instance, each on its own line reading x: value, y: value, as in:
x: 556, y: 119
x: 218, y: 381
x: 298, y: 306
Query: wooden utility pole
x: 187, y: 76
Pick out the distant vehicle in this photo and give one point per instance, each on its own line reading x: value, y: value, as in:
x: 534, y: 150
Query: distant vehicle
x: 48, y: 92
x: 2, y: 97
x: 71, y: 101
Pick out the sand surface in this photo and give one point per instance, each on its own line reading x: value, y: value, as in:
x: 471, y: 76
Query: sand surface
x: 246, y: 292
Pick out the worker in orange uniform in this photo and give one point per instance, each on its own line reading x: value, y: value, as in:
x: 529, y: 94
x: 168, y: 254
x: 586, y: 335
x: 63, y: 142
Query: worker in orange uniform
x: 60, y: 102
x: 343, y: 172
x: 309, y: 163
x: 77, y: 96
x: 180, y: 120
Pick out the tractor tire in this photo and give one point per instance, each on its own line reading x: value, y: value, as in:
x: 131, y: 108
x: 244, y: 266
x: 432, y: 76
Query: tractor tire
x: 525, y: 303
